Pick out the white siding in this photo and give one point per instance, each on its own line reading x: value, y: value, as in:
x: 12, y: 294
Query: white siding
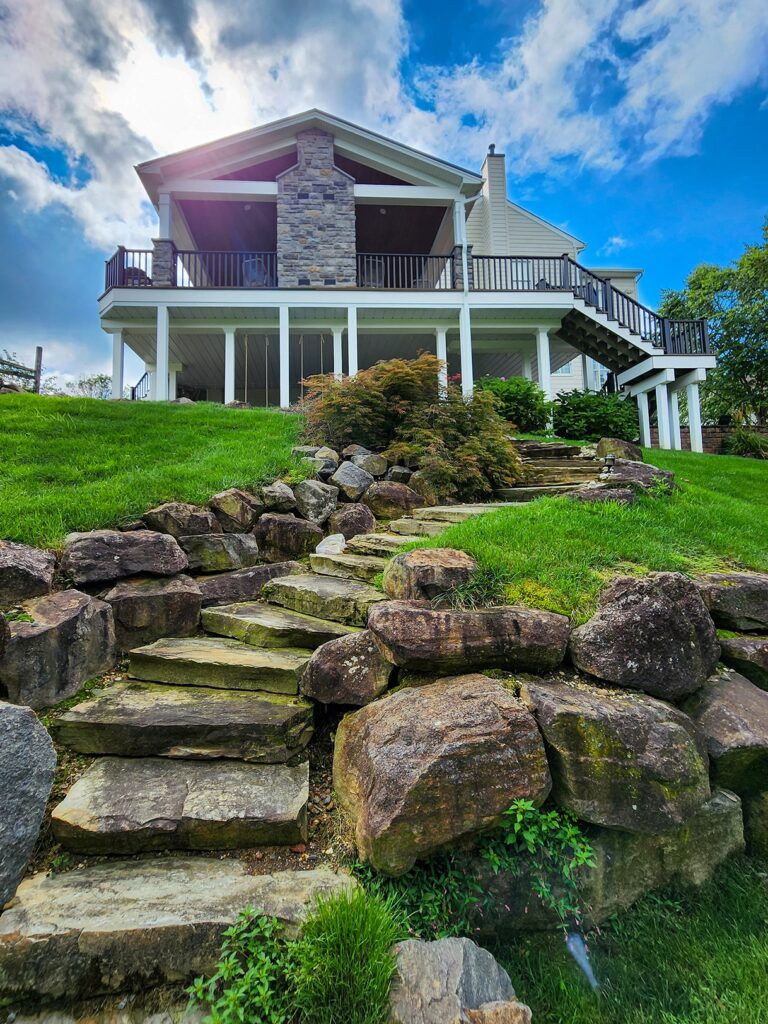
x: 529, y: 236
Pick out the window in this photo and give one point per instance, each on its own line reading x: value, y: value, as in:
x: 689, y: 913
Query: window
x: 564, y: 371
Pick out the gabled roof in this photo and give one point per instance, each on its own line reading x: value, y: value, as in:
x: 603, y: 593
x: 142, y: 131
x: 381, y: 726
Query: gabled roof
x: 279, y: 137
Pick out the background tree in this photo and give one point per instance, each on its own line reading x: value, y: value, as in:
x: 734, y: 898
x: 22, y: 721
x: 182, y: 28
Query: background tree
x: 97, y: 385
x: 734, y: 300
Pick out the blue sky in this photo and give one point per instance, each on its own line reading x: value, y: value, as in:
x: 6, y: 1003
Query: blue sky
x: 641, y: 126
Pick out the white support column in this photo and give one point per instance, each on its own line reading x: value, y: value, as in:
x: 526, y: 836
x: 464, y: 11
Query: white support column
x: 172, y: 384
x: 586, y: 382
x: 149, y: 369
x: 441, y: 351
x: 528, y: 365
x: 645, y: 419
x: 542, y: 357
x: 662, y: 416
x: 465, y: 349
x: 674, y: 421
x: 229, y: 365
x: 352, y: 340
x: 338, y: 362
x: 118, y: 364
x: 285, y: 359
x: 694, y: 417
x: 161, y: 362
x: 164, y: 212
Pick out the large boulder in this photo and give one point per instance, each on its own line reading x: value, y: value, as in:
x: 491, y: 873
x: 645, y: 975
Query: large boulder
x: 181, y: 519
x: 351, y: 480
x: 651, y: 633
x: 756, y: 824
x: 376, y: 465
x: 70, y: 639
x: 315, y: 500
x: 427, y: 573
x: 242, y: 584
x: 278, y: 497
x: 619, y: 759
x: 737, y: 600
x: 147, y: 608
x: 421, y: 484
x: 236, y: 510
x: 451, y: 981
x: 619, y: 449
x: 24, y: 572
x: 399, y: 474
x: 352, y: 520
x: 221, y: 552
x: 639, y: 476
x: 421, y: 767
x: 390, y: 500
x: 731, y: 713
x: 109, y: 555
x: 283, y: 536
x: 414, y: 636
x: 348, y: 670
x: 27, y: 764
x: 749, y: 656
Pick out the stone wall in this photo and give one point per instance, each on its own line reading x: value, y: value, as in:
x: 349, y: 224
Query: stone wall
x: 315, y: 218
x: 715, y: 438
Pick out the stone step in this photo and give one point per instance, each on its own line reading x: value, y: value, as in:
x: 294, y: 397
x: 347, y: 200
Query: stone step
x: 134, y: 719
x: 547, y: 449
x: 131, y: 925
x: 222, y: 664
x: 348, y: 566
x: 126, y: 805
x: 379, y: 543
x: 457, y: 513
x: 267, y: 625
x: 530, y: 493
x: 328, y: 597
x: 417, y: 528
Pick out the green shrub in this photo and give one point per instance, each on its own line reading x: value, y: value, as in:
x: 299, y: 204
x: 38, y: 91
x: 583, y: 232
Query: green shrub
x: 519, y: 401
x: 344, y: 962
x: 748, y: 443
x: 461, y: 445
x: 590, y: 415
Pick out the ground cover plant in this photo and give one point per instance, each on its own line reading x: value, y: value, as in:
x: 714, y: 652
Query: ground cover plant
x: 557, y: 554
x: 81, y: 464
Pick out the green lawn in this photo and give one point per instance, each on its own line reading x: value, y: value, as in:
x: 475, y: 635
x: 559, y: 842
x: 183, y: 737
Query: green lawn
x: 556, y: 554
x: 78, y: 464
x: 696, y: 958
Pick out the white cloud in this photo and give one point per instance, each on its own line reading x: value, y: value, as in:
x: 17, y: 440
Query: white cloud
x: 612, y: 245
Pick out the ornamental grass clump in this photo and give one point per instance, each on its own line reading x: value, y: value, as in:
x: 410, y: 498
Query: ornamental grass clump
x: 460, y: 444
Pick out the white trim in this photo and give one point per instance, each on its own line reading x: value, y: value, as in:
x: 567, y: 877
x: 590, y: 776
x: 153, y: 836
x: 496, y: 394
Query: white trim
x: 694, y: 417
x: 285, y: 358
x: 118, y: 364
x: 208, y: 188
x: 543, y: 360
x: 465, y: 350
x: 352, y: 363
x: 405, y: 195
x: 697, y: 376
x: 662, y: 361
x: 665, y: 376
x: 645, y: 419
x: 229, y: 366
x: 674, y: 420
x: 161, y: 357
x: 662, y: 416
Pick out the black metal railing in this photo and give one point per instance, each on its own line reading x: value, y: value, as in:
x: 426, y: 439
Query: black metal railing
x: 140, y: 389
x: 410, y: 271
x: 129, y: 268
x: 518, y: 273
x: 225, y: 269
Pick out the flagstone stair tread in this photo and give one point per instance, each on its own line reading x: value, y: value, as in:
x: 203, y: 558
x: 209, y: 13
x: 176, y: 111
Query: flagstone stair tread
x: 268, y: 625
x: 327, y: 597
x: 348, y: 566
x: 417, y: 527
x: 380, y: 543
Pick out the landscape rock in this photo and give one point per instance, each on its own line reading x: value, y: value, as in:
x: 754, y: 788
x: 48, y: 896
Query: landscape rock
x: 399, y: 474
x: 652, y: 633
x: 266, y: 625
x: 414, y: 636
x: 619, y: 759
x: 278, y: 497
x: 354, y: 449
x: 420, y: 768
x: 27, y: 765
x: 349, y: 670
x: 308, y: 450
x: 221, y: 552
x: 281, y: 536
x: 756, y: 824
x: 236, y: 510
x: 327, y: 454
x: 109, y: 555
x: 352, y: 520
x: 389, y: 500
x: 180, y: 519
x: 242, y: 584
x: 749, y: 656
x: 736, y: 600
x: 419, y: 483
x: 71, y: 639
x: 333, y: 544
x: 315, y: 500
x: 620, y: 449
x: 348, y: 565
x: 146, y: 608
x: 24, y: 572
x: 731, y: 713
x: 376, y: 465
x: 595, y: 494
x: 133, y: 925
x: 639, y: 477
x: 451, y: 981
x: 427, y: 573
x: 351, y: 480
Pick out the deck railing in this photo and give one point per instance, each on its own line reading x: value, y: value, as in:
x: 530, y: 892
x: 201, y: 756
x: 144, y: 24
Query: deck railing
x: 141, y: 388
x: 225, y: 269
x: 129, y: 268
x: 409, y: 271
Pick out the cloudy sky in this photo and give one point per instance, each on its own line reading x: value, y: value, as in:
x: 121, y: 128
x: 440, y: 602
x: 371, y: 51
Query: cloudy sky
x: 641, y: 126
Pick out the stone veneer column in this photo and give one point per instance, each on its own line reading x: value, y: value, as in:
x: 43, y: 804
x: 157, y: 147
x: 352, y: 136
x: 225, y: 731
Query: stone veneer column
x: 315, y: 218
x: 163, y: 263
x: 458, y: 268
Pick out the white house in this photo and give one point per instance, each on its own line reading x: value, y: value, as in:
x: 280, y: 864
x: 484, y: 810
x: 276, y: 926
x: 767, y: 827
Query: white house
x: 313, y: 245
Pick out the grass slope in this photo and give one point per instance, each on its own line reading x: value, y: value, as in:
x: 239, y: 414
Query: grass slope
x: 78, y: 464
x: 556, y: 554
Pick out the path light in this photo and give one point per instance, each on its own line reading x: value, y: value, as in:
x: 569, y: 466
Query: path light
x: 610, y: 461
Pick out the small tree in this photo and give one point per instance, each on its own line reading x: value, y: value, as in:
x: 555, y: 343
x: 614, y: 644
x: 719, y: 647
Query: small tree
x: 97, y: 385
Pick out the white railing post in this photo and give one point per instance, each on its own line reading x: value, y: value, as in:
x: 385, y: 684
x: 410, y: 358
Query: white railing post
x: 645, y: 419
x: 662, y: 416
x: 674, y: 421
x: 694, y: 417
x: 465, y: 349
